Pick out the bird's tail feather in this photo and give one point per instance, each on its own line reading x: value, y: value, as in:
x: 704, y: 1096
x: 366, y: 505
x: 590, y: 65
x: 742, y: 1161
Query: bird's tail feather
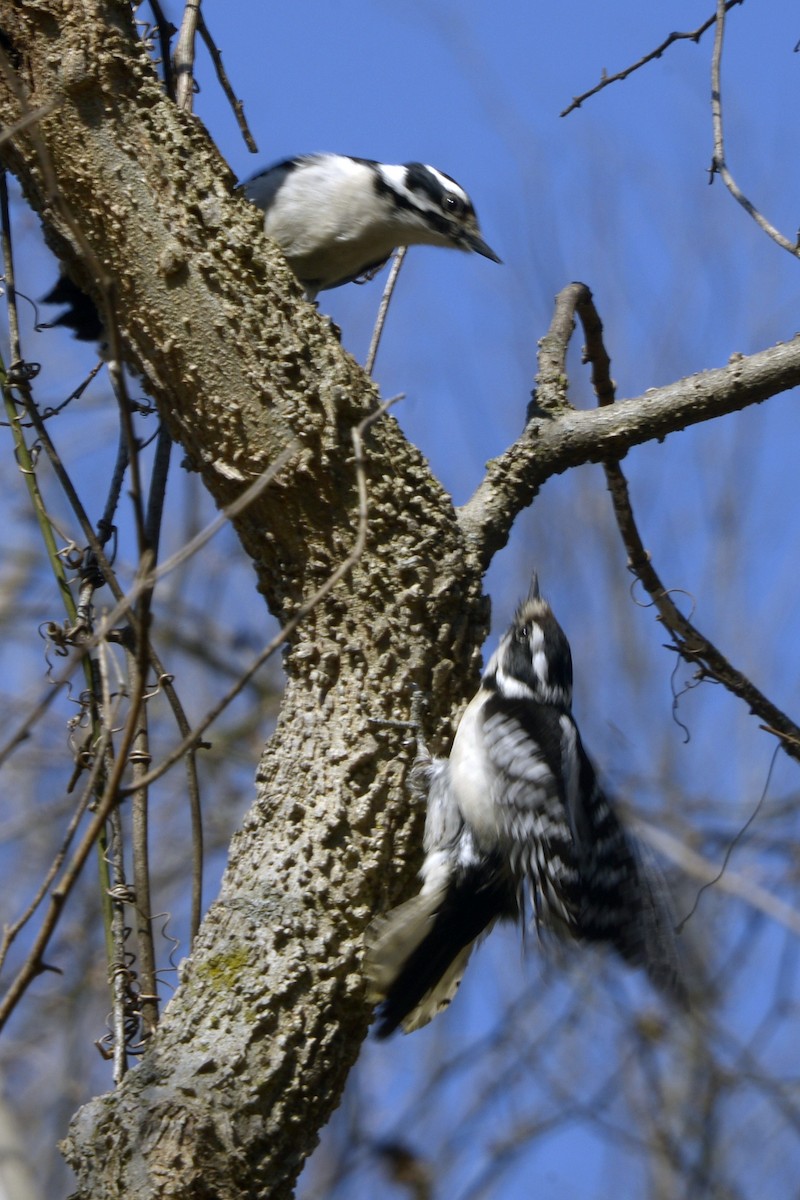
x: 661, y: 956
x: 417, y: 954
x: 636, y: 916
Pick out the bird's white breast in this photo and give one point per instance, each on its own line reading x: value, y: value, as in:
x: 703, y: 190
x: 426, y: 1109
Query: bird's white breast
x: 327, y: 219
x: 472, y: 775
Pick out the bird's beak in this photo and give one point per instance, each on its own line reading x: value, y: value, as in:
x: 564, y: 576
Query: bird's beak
x: 534, y: 593
x: 476, y: 243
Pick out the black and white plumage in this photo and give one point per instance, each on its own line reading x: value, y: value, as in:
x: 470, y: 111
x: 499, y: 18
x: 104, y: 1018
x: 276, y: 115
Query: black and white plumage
x: 338, y: 219
x: 517, y: 807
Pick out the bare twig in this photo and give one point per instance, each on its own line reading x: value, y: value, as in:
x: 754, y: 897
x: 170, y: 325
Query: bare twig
x: 183, y: 58
x: 383, y: 309
x: 557, y: 437
x: 139, y: 659
x: 195, y: 818
x: 158, y: 489
x: 116, y: 374
x: 118, y: 969
x: 165, y: 31
x: 30, y: 118
x: 144, y: 581
x: 701, y: 868
x: 225, y: 84
x: 734, y: 841
x: 105, y: 525
x: 692, y: 646
x: 687, y: 640
x: 718, y: 164
x: 10, y: 932
x: 693, y: 36
x: 111, y: 794
x: 146, y: 957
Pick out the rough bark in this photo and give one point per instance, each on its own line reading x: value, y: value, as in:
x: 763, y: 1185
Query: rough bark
x: 254, y: 1048
x: 253, y: 1051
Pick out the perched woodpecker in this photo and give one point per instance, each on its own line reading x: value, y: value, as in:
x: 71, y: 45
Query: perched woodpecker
x: 338, y: 219
x: 517, y: 807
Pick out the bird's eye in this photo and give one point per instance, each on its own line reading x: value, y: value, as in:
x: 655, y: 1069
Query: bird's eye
x: 453, y: 204
x: 523, y: 633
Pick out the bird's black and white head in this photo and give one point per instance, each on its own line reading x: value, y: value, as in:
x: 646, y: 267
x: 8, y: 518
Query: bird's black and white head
x: 430, y: 208
x: 533, y: 661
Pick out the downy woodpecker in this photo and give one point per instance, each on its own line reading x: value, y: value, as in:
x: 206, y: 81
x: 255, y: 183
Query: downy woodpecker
x: 338, y: 219
x: 517, y: 807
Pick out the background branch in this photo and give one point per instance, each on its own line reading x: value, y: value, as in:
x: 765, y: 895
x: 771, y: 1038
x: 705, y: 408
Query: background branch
x: 557, y: 436
x: 692, y: 36
x: 687, y: 640
x: 719, y: 164
x: 693, y: 646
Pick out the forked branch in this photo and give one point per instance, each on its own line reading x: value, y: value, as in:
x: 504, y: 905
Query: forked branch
x: 557, y: 436
x: 693, y: 646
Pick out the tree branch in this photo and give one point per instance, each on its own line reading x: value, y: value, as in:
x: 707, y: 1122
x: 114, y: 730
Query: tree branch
x: 557, y: 436
x: 719, y: 165
x: 551, y: 404
x: 693, y: 35
x: 687, y: 640
x: 692, y: 645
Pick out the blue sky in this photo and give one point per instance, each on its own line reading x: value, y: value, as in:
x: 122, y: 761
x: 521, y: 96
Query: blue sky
x: 616, y: 195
